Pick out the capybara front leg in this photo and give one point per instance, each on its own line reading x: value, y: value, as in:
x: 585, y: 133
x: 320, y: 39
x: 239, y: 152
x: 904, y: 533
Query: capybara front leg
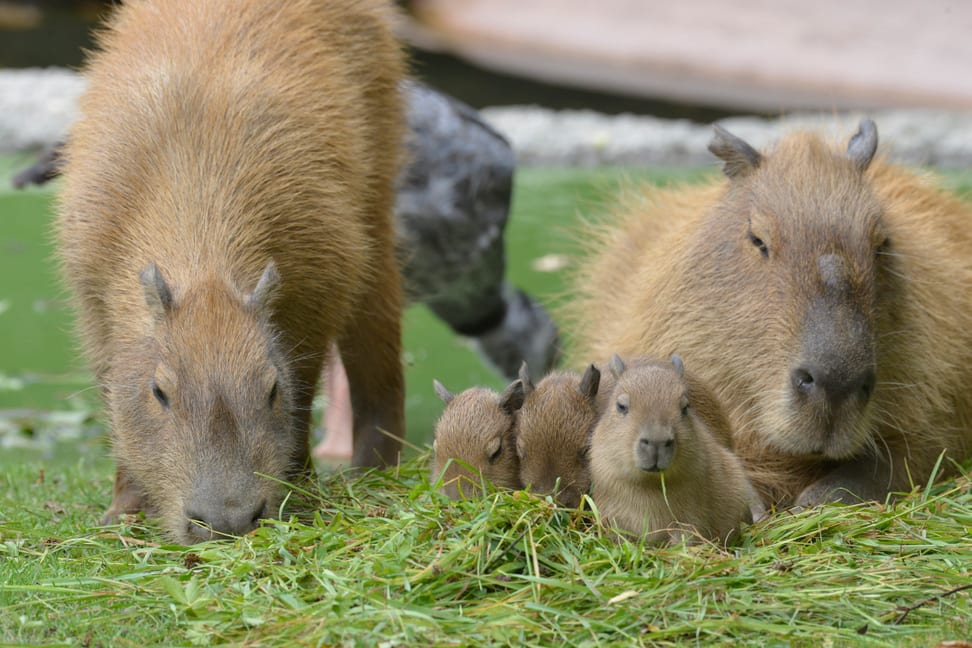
x: 860, y: 480
x: 127, y: 498
x: 371, y: 350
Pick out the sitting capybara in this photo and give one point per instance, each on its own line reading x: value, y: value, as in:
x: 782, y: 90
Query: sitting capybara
x: 658, y: 467
x: 823, y: 295
x: 474, y: 440
x: 553, y: 432
x: 226, y: 214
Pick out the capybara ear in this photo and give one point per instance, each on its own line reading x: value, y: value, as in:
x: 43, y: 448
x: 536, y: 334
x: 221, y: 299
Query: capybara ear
x: 616, y: 365
x: 524, y: 376
x: 740, y: 158
x: 590, y: 382
x: 863, y: 144
x: 512, y: 397
x: 266, y: 289
x: 444, y: 394
x: 157, y: 293
x: 679, y: 365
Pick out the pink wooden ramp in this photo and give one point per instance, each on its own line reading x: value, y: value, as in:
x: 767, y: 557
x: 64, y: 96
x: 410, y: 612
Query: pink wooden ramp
x: 768, y: 55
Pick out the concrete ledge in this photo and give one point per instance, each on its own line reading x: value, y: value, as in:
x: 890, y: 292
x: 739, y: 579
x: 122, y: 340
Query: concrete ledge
x: 38, y: 106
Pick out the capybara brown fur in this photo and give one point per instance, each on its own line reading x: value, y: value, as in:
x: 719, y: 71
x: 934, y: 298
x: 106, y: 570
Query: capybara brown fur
x: 553, y: 432
x: 658, y: 469
x: 475, y: 440
x: 226, y: 214
x: 822, y: 294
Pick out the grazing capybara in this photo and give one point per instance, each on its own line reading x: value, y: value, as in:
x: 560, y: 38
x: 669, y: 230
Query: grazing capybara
x: 658, y: 467
x: 553, y: 432
x: 822, y: 294
x: 474, y: 440
x: 225, y: 216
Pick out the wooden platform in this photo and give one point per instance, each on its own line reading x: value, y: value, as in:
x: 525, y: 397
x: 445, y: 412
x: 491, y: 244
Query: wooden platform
x: 767, y: 55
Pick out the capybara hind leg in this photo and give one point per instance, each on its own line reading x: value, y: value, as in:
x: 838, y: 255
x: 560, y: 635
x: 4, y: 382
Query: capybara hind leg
x: 371, y: 351
x: 127, y: 498
x: 862, y: 480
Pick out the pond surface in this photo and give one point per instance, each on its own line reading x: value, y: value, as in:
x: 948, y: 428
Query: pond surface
x: 42, y: 371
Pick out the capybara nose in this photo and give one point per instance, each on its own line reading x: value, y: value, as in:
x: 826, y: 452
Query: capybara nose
x: 654, y: 455
x: 210, y: 520
x: 834, y: 386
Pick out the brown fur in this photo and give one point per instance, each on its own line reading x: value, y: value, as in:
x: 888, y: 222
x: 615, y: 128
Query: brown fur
x: 217, y: 138
x: 701, y: 486
x: 474, y: 440
x: 680, y: 270
x: 553, y: 433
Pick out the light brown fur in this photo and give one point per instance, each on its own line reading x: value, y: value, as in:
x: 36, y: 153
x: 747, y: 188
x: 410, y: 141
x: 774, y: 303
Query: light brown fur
x: 679, y: 270
x: 553, y: 433
x: 475, y: 440
x: 215, y: 138
x: 700, y: 489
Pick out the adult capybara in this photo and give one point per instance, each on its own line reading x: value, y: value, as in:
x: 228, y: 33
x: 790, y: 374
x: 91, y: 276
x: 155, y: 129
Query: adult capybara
x: 475, y: 440
x: 553, y: 432
x: 659, y: 468
x: 225, y: 215
x: 823, y: 295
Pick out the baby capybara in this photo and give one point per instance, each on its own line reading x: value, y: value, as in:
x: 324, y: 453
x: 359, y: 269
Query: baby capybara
x: 553, y: 432
x: 474, y: 440
x: 822, y: 294
x: 658, y: 467
x: 225, y: 216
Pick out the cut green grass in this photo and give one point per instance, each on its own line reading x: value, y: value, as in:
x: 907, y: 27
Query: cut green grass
x: 385, y: 559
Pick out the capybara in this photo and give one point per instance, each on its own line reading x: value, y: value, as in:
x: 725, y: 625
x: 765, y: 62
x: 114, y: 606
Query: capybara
x: 822, y: 294
x: 226, y: 214
x: 658, y: 468
x: 474, y: 440
x: 553, y: 432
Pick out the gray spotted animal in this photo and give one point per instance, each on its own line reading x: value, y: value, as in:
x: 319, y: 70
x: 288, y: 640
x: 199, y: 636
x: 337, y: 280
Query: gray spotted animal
x: 658, y: 467
x: 474, y: 440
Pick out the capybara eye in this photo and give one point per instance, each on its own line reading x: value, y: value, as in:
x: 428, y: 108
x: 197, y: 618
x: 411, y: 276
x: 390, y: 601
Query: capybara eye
x: 758, y: 242
x: 160, y: 395
x: 885, y: 245
x: 684, y: 410
x: 273, y: 393
x: 496, y: 455
x: 622, y: 408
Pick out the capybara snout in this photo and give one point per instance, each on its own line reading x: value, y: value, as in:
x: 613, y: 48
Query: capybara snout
x: 217, y: 509
x: 655, y: 449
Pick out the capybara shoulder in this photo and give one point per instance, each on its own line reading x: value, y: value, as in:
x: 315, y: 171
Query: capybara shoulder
x: 225, y: 217
x: 819, y: 291
x: 553, y: 433
x: 475, y: 440
x: 658, y: 469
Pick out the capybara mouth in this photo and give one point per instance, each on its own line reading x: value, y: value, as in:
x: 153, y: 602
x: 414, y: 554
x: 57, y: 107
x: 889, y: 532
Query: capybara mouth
x: 833, y: 437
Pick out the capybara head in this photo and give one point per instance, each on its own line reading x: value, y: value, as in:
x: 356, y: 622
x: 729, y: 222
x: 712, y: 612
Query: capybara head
x: 474, y: 440
x: 553, y: 433
x: 795, y: 261
x: 205, y: 406
x: 649, y: 421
